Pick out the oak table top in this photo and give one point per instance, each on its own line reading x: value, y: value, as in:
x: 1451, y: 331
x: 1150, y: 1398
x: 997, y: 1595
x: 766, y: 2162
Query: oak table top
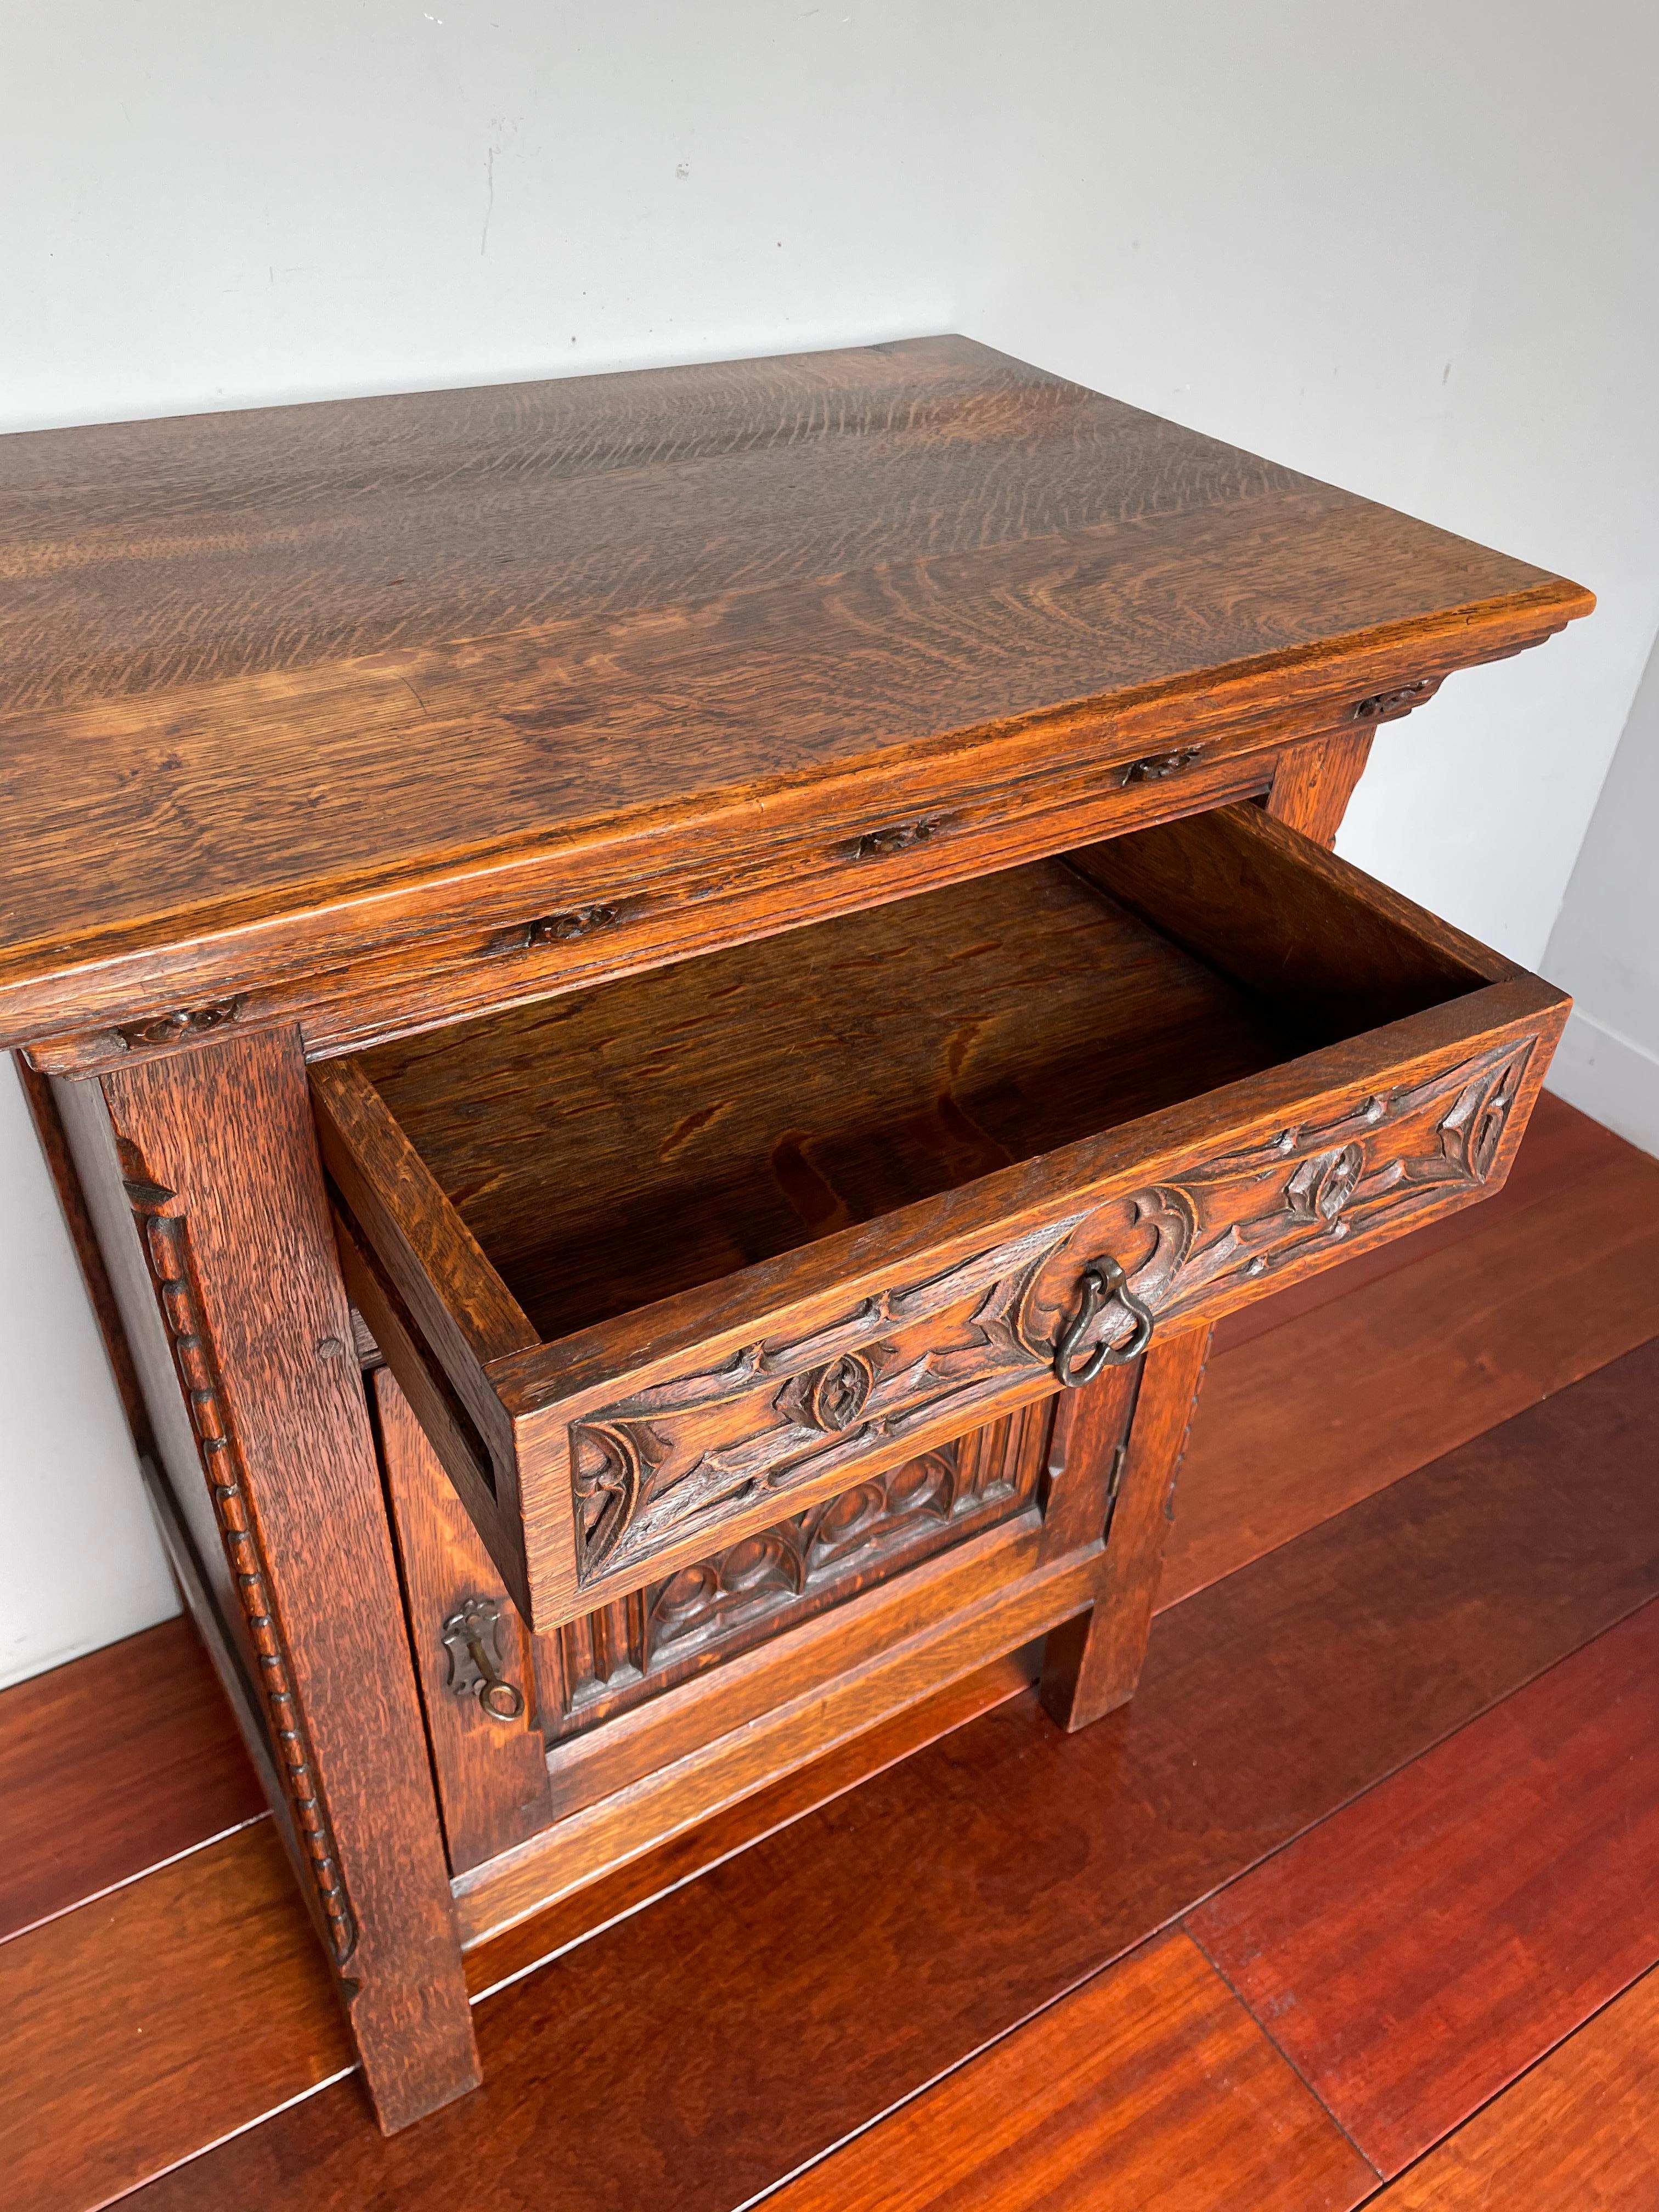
x: 279, y: 688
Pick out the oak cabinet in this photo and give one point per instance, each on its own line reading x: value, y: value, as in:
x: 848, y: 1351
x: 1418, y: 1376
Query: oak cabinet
x: 666, y: 1006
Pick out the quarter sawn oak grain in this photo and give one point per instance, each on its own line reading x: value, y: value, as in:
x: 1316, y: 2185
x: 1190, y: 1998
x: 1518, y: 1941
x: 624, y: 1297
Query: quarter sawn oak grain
x: 251, y: 661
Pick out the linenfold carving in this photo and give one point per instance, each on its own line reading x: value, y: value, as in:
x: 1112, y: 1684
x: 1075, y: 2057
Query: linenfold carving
x: 701, y: 1604
x: 611, y: 1658
x: 165, y: 1237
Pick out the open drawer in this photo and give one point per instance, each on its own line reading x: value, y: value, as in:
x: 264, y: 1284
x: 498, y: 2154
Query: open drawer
x: 659, y: 1261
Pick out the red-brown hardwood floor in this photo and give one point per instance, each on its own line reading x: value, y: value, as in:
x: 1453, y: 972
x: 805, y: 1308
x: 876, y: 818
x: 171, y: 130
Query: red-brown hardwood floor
x: 1347, y: 1907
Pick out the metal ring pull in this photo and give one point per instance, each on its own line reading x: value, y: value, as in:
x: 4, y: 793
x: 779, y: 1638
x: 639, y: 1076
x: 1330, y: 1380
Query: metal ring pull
x: 1102, y: 1277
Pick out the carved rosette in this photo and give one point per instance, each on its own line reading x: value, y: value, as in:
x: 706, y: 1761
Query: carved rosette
x: 163, y: 1229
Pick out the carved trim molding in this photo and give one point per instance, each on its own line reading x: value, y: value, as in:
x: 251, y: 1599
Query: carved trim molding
x: 165, y: 1238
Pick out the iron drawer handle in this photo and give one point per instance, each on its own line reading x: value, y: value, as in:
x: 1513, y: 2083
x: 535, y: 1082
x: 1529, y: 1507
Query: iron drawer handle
x: 1100, y: 1278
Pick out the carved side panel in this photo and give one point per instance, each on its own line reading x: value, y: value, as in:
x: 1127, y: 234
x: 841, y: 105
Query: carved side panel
x: 632, y: 1650
x: 165, y: 1237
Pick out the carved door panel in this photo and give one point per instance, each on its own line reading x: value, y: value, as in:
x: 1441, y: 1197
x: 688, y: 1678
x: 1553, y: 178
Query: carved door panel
x: 497, y: 1697
x: 607, y: 1661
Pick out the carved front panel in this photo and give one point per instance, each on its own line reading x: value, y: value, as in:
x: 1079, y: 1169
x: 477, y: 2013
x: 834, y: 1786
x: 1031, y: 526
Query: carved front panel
x: 1385, y: 1160
x: 688, y: 1453
x: 625, y: 1652
x: 686, y: 1457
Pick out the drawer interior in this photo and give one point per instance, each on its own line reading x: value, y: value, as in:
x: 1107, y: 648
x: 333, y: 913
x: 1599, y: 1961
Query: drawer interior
x: 611, y: 1146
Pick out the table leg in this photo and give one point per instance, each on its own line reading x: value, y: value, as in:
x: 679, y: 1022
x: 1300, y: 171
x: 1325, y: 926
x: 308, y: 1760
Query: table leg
x: 201, y: 1172
x: 1314, y: 780
x: 1091, y: 1664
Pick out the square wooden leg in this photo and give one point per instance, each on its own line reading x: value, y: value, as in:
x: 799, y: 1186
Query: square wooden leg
x: 1092, y: 1663
x: 201, y: 1174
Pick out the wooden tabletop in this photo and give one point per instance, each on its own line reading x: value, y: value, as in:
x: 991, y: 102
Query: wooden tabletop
x: 258, y: 665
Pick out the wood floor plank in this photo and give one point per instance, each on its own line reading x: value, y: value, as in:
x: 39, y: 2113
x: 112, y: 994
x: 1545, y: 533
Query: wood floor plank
x: 532, y: 1942
x: 1150, y: 2087
x: 230, y: 1923
x: 158, y: 2019
x: 113, y: 1764
x: 1427, y: 1355
x: 1421, y: 1948
x: 1575, y: 2135
x: 834, y: 1970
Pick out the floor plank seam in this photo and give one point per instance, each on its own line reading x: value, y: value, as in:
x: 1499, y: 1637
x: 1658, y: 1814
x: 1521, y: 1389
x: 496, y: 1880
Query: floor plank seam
x: 1405, y: 1474
x: 1508, y: 2087
x: 126, y: 1881
x: 968, y: 2058
x: 176, y: 2165
x: 1240, y: 1999
x: 1359, y: 1795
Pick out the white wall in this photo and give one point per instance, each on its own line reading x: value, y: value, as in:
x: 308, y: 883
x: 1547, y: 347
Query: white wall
x: 1605, y: 945
x: 1406, y: 248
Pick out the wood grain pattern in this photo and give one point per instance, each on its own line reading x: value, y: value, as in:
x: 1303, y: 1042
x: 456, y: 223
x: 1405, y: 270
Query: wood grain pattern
x: 996, y: 1870
x: 1447, y: 1341
x: 720, y: 580
x: 1313, y: 781
x: 110, y: 1765
x: 214, y: 1159
x: 596, y: 909
x: 1418, y: 1950
x: 117, y: 2022
x: 1152, y: 2086
x: 1299, y: 929
x: 1575, y: 2135
x: 612, y: 1147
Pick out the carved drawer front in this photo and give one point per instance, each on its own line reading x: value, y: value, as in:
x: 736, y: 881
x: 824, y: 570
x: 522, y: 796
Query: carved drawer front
x: 665, y: 1266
